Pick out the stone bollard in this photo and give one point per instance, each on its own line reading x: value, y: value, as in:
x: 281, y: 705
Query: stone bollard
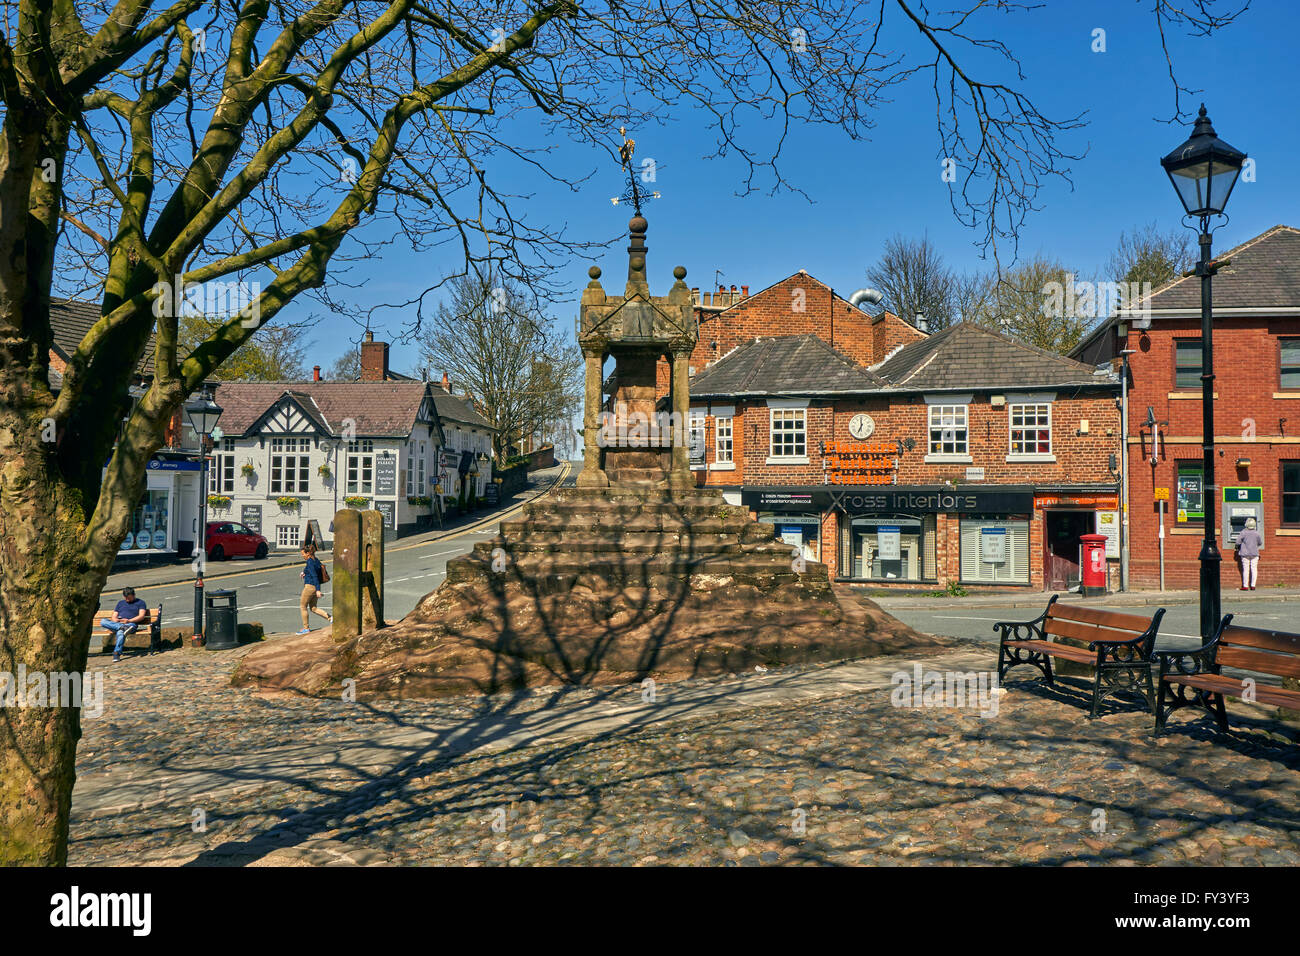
x: 347, y: 574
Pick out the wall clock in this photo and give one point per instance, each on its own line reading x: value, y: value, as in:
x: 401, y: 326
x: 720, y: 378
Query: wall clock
x: 861, y: 426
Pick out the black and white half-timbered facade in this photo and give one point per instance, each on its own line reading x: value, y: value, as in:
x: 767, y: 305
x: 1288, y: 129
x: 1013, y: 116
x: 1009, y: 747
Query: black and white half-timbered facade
x: 290, y: 452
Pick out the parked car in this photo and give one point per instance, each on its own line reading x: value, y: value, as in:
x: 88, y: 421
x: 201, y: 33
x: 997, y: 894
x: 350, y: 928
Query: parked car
x: 230, y: 539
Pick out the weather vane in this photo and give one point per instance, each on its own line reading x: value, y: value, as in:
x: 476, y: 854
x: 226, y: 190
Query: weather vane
x: 635, y: 194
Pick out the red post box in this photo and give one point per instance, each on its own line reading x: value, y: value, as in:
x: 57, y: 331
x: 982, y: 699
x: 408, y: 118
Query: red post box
x: 1092, y: 566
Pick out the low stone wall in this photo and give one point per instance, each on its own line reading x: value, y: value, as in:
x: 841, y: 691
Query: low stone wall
x: 544, y: 457
x: 513, y: 479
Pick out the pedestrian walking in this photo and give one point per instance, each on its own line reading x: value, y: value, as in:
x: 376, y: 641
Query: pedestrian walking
x: 313, y: 576
x: 128, y: 615
x: 1248, y: 544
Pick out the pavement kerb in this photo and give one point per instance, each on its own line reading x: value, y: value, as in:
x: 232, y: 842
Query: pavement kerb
x: 117, y: 580
x: 1039, y: 599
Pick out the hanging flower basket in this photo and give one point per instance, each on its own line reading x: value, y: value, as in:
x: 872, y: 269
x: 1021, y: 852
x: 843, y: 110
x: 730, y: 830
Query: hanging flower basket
x: 289, y: 503
x: 219, y: 501
x: 324, y: 471
x: 356, y: 501
x: 247, y: 470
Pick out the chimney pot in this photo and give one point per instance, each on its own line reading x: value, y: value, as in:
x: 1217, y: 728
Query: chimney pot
x: 744, y: 292
x: 446, y: 382
x: 315, y: 373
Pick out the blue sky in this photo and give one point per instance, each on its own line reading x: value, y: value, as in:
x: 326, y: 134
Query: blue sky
x: 864, y: 192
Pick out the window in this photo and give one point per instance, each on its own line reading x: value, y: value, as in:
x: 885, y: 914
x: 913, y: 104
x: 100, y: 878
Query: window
x: 290, y: 465
x: 888, y: 548
x: 1187, y: 363
x: 722, y: 441
x: 1291, y: 493
x: 948, y: 430
x: 995, y: 549
x: 221, y: 474
x: 286, y: 536
x: 789, y: 433
x: 1031, y: 429
x: 1289, y: 363
x: 1190, y: 500
x: 361, y: 467
x: 415, y: 469
x: 697, y: 439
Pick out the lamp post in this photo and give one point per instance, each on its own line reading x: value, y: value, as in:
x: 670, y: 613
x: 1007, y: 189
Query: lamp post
x: 1203, y: 171
x: 202, y: 413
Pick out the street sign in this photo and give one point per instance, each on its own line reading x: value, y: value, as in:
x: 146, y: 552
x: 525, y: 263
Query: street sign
x: 1162, y: 494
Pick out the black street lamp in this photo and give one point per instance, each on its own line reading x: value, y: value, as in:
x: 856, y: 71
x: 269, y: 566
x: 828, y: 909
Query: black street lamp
x: 202, y: 413
x: 1203, y: 170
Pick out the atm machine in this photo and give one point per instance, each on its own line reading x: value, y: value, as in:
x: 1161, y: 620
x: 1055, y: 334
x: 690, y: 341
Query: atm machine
x: 1240, y: 503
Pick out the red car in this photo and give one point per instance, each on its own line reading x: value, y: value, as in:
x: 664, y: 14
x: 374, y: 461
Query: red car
x: 230, y: 539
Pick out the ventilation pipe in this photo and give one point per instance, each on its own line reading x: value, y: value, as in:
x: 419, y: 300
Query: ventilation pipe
x: 873, y: 296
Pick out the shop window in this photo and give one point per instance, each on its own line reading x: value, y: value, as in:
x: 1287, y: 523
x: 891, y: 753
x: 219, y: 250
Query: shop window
x: 1031, y: 429
x: 697, y: 439
x: 361, y: 467
x: 1291, y: 493
x: 948, y: 430
x: 722, y: 447
x: 148, y: 527
x: 789, y: 433
x: 1289, y: 363
x: 286, y: 535
x: 888, y: 548
x: 994, y: 550
x: 1190, y: 500
x: 1187, y: 363
x: 290, y: 465
x: 800, y: 531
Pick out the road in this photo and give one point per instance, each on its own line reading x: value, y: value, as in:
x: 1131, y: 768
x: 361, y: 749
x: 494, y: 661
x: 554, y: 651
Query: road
x: 1178, y: 630
x: 270, y: 595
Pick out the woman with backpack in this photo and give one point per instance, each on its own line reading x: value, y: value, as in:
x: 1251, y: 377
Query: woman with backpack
x: 313, y: 576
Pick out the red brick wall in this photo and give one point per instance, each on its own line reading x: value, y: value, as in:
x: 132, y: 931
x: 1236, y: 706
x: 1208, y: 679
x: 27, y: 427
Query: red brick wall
x: 1246, y: 359
x: 798, y: 305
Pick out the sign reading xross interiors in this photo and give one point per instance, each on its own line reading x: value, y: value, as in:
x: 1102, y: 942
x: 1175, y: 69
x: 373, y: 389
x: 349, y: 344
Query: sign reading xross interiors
x: 915, y: 499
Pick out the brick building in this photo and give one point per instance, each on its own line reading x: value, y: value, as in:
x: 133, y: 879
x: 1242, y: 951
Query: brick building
x: 962, y: 456
x: 1256, y: 413
x: 797, y: 305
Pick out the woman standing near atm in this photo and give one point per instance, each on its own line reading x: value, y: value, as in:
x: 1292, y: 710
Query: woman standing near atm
x: 1248, y: 542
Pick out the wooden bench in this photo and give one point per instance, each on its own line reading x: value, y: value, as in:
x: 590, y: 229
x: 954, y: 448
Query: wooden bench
x: 154, y: 623
x: 1119, y: 647
x: 1275, y: 653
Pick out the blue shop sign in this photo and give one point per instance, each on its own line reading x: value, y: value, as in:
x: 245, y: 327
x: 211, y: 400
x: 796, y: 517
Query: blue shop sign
x: 159, y: 464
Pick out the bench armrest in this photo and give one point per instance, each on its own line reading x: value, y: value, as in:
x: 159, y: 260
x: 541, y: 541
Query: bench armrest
x: 1200, y: 660
x: 1025, y: 630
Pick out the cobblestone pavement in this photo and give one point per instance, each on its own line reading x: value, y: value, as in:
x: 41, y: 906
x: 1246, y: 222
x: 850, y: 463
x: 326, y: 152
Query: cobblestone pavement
x: 183, y: 769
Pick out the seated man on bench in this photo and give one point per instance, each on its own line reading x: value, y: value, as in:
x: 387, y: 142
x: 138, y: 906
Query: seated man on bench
x: 128, y: 615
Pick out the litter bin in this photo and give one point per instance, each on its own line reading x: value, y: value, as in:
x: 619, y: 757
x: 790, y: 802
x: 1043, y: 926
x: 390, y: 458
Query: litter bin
x: 222, y: 630
x: 1092, y: 566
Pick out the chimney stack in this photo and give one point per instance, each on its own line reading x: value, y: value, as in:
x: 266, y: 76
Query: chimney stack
x: 374, y: 359
x: 315, y: 373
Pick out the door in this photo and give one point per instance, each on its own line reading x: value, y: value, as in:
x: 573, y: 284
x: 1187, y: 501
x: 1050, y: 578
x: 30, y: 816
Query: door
x: 1061, y: 548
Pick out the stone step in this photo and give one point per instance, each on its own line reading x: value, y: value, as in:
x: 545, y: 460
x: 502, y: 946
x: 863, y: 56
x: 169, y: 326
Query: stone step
x: 604, y: 511
x: 632, y: 543
x: 550, y: 572
x: 637, y: 523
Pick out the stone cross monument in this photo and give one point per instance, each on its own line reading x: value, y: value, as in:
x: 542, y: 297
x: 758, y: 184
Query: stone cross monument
x: 631, y: 442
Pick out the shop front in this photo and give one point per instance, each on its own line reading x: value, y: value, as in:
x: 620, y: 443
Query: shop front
x: 1067, y: 516
x: 908, y: 534
x: 160, y: 521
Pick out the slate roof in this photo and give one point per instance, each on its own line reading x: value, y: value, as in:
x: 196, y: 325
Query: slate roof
x: 379, y: 409
x: 784, y: 364
x: 455, y: 408
x: 71, y: 319
x: 1264, y: 273
x: 969, y: 356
